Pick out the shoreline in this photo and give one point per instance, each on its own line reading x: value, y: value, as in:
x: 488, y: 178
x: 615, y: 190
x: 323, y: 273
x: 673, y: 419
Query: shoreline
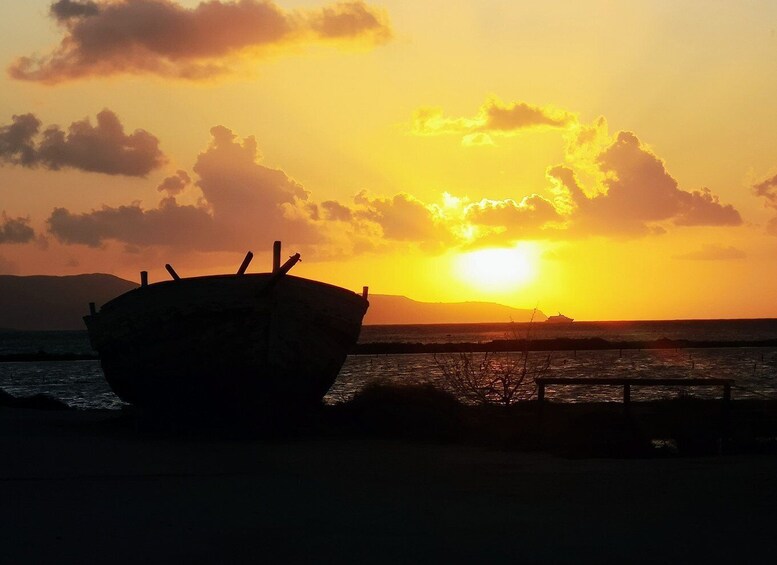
x: 553, y: 344
x: 499, y: 345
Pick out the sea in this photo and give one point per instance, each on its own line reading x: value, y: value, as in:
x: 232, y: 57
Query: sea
x: 81, y: 384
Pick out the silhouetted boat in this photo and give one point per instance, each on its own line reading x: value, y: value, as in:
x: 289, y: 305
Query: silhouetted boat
x: 560, y: 319
x: 227, y: 341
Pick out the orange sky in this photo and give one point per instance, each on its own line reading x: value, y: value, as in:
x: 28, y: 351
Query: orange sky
x: 608, y: 160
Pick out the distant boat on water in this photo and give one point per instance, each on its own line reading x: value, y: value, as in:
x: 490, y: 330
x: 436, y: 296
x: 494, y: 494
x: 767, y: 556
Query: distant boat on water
x: 237, y: 342
x: 560, y: 319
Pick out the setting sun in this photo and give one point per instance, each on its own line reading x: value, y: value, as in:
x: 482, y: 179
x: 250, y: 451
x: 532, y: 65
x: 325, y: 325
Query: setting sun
x: 498, y: 269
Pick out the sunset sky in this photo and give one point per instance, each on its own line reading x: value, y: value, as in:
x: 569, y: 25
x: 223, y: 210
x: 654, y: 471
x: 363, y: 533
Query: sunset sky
x: 609, y: 160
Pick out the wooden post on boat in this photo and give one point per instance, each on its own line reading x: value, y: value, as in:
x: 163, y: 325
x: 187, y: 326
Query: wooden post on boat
x: 282, y: 270
x: 245, y: 263
x: 276, y: 256
x: 172, y: 272
x: 365, y: 292
x: 143, y: 278
x: 286, y: 267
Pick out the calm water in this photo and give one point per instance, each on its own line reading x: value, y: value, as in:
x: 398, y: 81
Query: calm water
x: 698, y: 330
x: 81, y: 383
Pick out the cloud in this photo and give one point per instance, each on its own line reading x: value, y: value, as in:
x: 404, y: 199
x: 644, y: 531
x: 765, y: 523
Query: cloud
x: 433, y: 121
x: 65, y: 9
x: 378, y: 221
x: 16, y: 141
x: 520, y: 115
x: 103, y: 148
x: 169, y: 224
x: 15, y: 230
x: 243, y: 202
x: 534, y: 210
x: 509, y: 220
x: 477, y: 140
x: 767, y: 190
x: 162, y: 37
x: 175, y: 184
x: 635, y: 194
x: 248, y: 198
x: 609, y: 186
x: 713, y: 252
x: 629, y: 193
x: 403, y: 217
x: 702, y: 208
x: 347, y: 20
x: 494, y: 118
x: 336, y: 212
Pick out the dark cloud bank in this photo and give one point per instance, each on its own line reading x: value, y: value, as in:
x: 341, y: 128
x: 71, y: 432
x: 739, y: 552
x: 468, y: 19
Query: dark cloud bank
x: 162, y: 37
x: 243, y: 203
x: 640, y: 195
x: 15, y: 230
x: 102, y: 148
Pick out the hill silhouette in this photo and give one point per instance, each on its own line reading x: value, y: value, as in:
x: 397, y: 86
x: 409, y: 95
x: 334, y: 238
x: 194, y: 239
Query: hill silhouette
x: 391, y: 309
x: 44, y: 302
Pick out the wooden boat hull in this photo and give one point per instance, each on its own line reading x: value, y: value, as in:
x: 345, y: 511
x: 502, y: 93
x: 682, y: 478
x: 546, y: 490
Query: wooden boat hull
x: 229, y: 342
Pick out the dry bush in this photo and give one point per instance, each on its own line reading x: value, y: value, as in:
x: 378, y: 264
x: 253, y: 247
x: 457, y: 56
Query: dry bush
x: 493, y: 378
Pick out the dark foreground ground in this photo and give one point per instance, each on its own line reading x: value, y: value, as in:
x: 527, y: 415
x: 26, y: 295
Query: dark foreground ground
x: 86, y: 487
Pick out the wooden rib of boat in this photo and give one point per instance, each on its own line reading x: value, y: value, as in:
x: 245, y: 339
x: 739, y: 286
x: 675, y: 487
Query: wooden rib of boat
x: 226, y: 341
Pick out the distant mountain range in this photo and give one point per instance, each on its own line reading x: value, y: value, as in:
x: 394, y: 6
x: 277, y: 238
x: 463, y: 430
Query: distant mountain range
x: 59, y: 303
x: 54, y: 303
x: 390, y: 309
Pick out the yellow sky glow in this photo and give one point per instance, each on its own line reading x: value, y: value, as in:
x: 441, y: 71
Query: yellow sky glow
x: 498, y: 270
x: 606, y: 160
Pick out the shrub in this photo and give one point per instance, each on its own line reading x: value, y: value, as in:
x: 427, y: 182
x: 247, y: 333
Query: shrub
x: 493, y: 378
x: 409, y: 411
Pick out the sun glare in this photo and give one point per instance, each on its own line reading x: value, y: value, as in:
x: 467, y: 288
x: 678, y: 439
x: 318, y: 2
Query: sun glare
x: 498, y: 269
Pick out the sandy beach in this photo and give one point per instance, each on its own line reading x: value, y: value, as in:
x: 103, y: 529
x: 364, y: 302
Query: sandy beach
x: 84, y: 487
